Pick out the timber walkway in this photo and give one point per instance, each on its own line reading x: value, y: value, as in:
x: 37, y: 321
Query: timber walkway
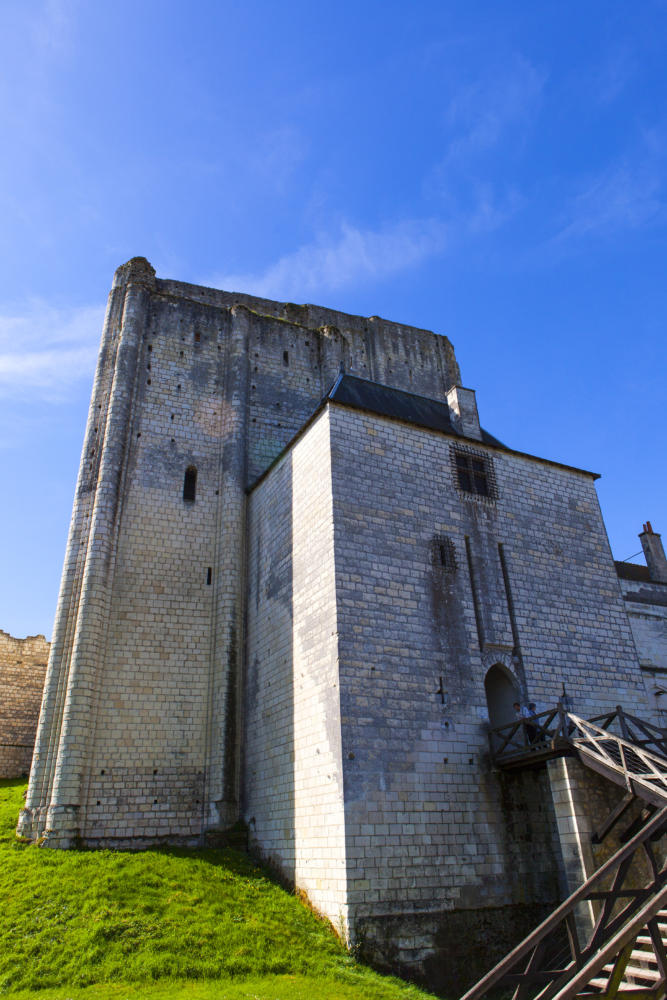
x: 627, y: 750
x: 622, y: 952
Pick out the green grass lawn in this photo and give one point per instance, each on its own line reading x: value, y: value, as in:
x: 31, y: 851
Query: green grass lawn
x: 168, y: 923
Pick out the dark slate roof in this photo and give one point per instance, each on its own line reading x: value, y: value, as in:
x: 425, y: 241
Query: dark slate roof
x: 632, y: 571
x: 372, y: 397
x: 360, y: 394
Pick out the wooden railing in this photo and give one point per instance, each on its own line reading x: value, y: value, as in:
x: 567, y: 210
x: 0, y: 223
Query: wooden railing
x: 553, y: 964
x: 553, y: 732
x: 523, y: 736
x: 628, y: 763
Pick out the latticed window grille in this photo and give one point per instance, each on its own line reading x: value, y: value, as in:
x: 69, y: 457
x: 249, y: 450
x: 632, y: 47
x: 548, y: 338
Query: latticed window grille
x: 473, y: 472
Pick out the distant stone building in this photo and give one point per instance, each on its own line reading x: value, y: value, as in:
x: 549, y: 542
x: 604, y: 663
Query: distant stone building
x: 22, y: 669
x: 300, y: 579
x: 644, y: 590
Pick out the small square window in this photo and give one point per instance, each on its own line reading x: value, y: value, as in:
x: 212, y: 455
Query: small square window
x: 474, y: 473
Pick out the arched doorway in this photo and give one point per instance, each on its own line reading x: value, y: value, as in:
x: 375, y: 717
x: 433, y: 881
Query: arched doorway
x: 502, y: 691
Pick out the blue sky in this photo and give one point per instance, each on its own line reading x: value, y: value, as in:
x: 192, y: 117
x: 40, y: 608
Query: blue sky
x: 492, y: 171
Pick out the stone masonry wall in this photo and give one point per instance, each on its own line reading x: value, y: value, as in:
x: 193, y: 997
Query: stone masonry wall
x: 583, y: 800
x: 646, y: 605
x: 139, y: 737
x: 163, y: 752
x: 295, y: 352
x: 425, y: 825
x: 22, y: 669
x: 293, y: 799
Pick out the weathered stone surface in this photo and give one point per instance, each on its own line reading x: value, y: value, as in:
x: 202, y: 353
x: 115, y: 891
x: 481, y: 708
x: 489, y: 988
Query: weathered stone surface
x: 279, y: 607
x: 644, y: 590
x: 22, y: 669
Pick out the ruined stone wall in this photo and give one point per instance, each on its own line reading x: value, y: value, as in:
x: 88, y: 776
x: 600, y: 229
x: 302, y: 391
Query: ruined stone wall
x: 22, y: 669
x: 293, y: 787
x: 426, y: 825
x: 295, y: 353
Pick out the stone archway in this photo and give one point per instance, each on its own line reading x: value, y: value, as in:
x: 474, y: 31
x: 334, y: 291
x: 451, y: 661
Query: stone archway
x: 502, y: 690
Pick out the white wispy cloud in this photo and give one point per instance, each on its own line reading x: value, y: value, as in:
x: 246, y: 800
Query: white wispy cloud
x: 45, y: 350
x: 624, y: 197
x: 353, y: 256
x: 485, y: 123
x: 482, y: 112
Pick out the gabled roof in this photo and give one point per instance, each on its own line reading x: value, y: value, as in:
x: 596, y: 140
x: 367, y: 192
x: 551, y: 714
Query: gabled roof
x: 361, y: 394
x: 382, y: 400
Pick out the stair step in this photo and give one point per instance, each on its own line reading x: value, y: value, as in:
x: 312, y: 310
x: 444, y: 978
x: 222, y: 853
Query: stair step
x: 644, y: 940
x: 643, y: 956
x: 643, y: 975
x: 637, y: 972
x: 644, y: 936
x: 662, y: 925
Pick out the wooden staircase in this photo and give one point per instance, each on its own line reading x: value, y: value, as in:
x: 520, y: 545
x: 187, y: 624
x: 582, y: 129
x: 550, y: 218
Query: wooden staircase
x: 638, y: 967
x: 624, y: 955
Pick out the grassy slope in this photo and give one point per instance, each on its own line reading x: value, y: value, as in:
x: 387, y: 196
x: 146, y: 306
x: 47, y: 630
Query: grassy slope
x: 187, y: 925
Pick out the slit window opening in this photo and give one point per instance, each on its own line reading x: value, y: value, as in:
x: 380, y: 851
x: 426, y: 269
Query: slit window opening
x: 190, y: 484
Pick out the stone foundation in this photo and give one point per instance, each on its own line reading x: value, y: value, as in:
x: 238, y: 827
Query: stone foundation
x: 448, y: 951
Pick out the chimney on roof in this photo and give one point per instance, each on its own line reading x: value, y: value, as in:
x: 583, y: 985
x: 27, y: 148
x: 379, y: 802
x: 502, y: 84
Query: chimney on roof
x: 463, y: 412
x: 654, y: 554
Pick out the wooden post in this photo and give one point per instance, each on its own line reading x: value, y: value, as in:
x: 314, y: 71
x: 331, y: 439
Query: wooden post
x: 620, y: 715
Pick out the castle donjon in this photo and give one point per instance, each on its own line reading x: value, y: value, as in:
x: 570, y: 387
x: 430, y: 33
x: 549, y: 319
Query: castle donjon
x: 301, y: 581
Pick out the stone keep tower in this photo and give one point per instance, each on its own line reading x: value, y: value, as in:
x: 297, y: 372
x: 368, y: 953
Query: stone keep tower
x: 296, y: 593
x: 196, y: 392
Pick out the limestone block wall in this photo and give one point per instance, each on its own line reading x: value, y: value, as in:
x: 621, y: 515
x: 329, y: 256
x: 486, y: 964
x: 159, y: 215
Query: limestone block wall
x: 165, y: 661
x: 186, y: 377
x: 646, y: 606
x: 22, y: 670
x: 81, y: 544
x: 139, y: 737
x: 530, y: 584
x: 295, y: 352
x: 583, y: 801
x: 293, y: 773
